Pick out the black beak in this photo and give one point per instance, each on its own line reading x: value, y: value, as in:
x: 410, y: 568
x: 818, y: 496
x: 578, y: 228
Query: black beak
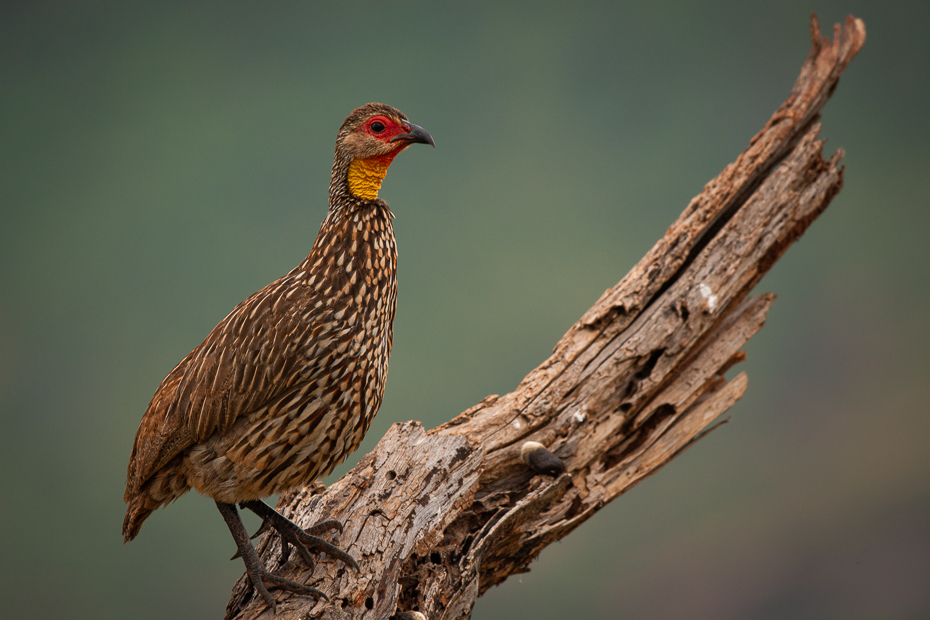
x: 416, y: 134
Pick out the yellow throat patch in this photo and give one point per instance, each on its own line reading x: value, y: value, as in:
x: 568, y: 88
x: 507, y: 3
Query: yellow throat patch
x: 366, y: 175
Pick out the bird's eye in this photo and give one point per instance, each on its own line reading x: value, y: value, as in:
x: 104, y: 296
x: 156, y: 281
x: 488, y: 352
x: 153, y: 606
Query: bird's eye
x: 377, y: 126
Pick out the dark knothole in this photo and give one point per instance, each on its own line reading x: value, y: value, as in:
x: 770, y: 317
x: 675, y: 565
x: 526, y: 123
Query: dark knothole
x: 646, y: 370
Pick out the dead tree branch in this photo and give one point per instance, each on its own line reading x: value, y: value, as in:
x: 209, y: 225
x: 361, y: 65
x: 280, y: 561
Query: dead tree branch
x: 437, y: 517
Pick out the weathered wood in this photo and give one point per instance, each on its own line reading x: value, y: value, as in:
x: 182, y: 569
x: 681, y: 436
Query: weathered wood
x: 437, y: 517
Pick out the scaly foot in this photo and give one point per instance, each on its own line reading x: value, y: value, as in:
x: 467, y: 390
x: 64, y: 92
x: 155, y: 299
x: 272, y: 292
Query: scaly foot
x: 303, y: 540
x: 253, y: 564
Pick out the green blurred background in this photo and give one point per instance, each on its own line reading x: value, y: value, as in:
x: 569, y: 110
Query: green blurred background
x: 160, y: 162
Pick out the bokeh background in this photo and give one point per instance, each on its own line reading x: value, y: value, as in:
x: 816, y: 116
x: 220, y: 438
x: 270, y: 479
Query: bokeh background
x: 160, y: 162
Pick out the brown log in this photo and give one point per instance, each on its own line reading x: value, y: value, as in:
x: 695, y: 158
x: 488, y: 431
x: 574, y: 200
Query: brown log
x: 435, y: 518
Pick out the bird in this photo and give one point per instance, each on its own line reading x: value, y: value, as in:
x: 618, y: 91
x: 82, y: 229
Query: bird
x: 285, y: 387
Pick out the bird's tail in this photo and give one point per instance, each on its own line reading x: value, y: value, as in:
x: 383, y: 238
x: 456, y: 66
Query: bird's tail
x: 163, y: 488
x: 138, y: 510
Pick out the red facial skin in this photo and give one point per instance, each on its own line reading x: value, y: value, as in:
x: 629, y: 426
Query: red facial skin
x: 391, y: 130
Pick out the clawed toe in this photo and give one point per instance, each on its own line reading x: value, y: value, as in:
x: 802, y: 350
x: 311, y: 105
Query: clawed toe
x: 263, y: 579
x: 320, y: 545
x: 254, y: 568
x: 304, y: 540
x: 322, y: 527
x: 291, y: 586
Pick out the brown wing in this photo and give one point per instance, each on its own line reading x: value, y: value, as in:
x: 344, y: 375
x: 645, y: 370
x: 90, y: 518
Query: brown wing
x: 154, y: 432
x: 252, y: 357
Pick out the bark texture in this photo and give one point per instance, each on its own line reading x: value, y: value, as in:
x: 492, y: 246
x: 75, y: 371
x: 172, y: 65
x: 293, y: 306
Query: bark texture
x: 437, y: 517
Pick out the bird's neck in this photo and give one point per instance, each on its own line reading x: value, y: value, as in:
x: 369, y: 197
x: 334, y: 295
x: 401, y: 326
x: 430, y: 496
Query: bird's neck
x: 353, y: 218
x: 355, y: 239
x: 357, y: 180
x: 358, y: 221
x: 365, y: 176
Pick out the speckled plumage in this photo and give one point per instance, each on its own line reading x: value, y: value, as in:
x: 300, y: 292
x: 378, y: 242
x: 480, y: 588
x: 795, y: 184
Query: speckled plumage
x: 285, y: 387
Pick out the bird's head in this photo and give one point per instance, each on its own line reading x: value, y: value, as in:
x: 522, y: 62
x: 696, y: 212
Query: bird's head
x: 367, y: 143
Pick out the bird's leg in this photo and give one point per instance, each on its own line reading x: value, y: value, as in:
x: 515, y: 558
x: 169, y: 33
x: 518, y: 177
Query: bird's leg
x: 253, y: 564
x: 303, y: 539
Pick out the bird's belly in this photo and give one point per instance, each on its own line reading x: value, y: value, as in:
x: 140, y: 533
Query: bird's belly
x: 289, y: 444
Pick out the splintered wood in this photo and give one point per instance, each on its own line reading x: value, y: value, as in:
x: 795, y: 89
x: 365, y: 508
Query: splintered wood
x: 435, y: 518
